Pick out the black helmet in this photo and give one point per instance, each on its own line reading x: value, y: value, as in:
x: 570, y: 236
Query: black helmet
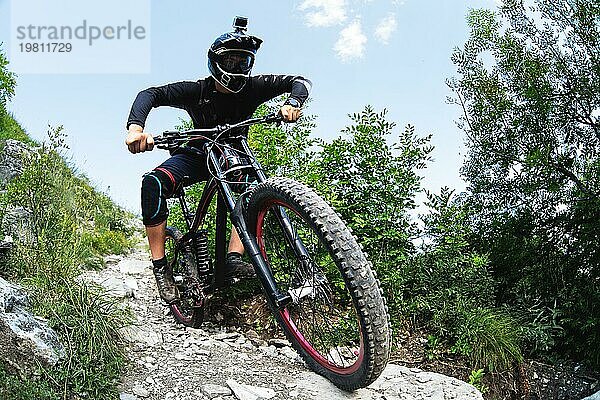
x: 231, y: 57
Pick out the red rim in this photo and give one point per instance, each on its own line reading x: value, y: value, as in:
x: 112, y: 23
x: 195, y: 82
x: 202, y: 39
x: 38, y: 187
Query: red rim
x: 175, y: 310
x: 287, y: 318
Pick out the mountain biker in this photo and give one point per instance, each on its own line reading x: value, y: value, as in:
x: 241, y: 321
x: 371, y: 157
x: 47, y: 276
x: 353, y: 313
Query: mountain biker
x: 228, y: 95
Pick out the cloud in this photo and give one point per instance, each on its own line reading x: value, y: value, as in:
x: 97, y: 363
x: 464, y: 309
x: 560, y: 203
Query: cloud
x: 385, y: 28
x: 351, y: 42
x: 324, y: 12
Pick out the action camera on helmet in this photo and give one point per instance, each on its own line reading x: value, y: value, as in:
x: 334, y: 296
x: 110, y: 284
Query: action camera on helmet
x: 240, y: 24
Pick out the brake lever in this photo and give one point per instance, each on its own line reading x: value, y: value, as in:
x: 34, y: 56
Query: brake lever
x: 165, y: 142
x: 167, y: 134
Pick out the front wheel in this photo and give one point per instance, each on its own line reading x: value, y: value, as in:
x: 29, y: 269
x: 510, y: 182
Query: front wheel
x: 338, y: 320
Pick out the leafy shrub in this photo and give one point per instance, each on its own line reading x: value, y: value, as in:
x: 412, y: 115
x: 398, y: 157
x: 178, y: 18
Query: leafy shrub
x: 108, y: 242
x: 369, y: 174
x: 527, y: 80
x: 372, y: 183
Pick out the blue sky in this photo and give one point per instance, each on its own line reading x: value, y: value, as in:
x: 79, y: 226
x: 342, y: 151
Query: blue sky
x: 386, y: 53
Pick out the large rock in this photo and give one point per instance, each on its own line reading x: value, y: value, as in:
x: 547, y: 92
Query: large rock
x: 11, y: 160
x: 25, y: 340
x: 131, y: 266
x: 248, y: 392
x: 17, y: 222
x: 396, y: 382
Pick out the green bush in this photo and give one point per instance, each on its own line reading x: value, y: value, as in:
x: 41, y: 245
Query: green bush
x: 527, y: 84
x: 108, y: 242
x: 87, y: 322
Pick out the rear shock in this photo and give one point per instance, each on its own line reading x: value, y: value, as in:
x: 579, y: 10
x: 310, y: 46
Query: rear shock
x: 203, y: 260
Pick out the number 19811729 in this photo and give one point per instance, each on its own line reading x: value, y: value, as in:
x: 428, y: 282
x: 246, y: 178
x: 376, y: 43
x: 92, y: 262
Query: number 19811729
x: 56, y: 47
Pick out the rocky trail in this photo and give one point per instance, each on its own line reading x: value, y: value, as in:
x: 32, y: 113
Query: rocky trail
x: 169, y: 361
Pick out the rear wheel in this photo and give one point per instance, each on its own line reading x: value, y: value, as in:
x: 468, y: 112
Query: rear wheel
x: 337, y: 320
x: 189, y: 309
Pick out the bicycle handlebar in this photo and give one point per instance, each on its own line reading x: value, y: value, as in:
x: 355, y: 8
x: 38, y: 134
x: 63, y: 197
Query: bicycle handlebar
x: 171, y: 139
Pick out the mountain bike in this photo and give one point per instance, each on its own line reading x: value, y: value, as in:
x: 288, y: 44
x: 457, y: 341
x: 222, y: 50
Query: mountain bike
x: 316, y: 278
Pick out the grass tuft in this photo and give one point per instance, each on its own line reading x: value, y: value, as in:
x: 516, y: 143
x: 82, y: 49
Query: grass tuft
x: 490, y: 337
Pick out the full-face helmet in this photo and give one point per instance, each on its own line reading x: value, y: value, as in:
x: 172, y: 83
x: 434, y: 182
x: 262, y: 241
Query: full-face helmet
x: 231, y: 56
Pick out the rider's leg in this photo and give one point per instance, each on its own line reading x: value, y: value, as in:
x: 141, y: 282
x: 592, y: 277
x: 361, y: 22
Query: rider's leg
x: 157, y: 185
x: 235, y: 266
x: 235, y: 243
x: 156, y: 240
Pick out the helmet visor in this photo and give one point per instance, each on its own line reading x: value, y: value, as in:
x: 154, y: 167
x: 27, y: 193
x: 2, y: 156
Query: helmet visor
x: 237, y: 62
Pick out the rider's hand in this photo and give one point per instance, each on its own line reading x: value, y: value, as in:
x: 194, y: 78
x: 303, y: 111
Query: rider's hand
x: 289, y: 113
x: 138, y: 141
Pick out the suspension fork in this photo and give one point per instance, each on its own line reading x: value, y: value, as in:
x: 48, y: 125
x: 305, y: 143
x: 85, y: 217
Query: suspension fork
x: 277, y: 300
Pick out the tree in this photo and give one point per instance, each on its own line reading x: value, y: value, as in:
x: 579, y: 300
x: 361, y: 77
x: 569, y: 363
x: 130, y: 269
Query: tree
x: 7, y: 82
x: 371, y: 177
x: 9, y: 128
x: 529, y: 89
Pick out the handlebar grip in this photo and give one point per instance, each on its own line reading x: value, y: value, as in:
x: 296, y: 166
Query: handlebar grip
x: 274, y: 117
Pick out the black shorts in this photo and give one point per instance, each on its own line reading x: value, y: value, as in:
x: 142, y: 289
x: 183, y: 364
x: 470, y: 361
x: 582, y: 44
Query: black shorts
x: 161, y: 183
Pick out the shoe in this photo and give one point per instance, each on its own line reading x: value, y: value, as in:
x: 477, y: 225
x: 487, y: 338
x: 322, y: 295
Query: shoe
x: 235, y: 267
x: 166, y: 285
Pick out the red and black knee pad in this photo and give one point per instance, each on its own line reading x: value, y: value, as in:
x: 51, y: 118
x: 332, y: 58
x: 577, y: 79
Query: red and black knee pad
x: 157, y: 186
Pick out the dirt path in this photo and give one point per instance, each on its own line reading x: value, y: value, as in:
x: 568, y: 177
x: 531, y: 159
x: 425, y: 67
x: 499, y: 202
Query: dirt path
x: 168, y: 361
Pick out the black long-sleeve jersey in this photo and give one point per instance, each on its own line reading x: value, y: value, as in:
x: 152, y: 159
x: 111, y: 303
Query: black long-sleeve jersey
x: 208, y: 108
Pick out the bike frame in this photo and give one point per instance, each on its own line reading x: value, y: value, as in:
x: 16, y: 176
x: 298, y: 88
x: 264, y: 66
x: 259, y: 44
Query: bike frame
x: 228, y: 205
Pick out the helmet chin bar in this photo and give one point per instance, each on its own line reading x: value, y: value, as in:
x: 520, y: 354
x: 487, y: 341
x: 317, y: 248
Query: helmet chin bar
x: 227, y: 78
